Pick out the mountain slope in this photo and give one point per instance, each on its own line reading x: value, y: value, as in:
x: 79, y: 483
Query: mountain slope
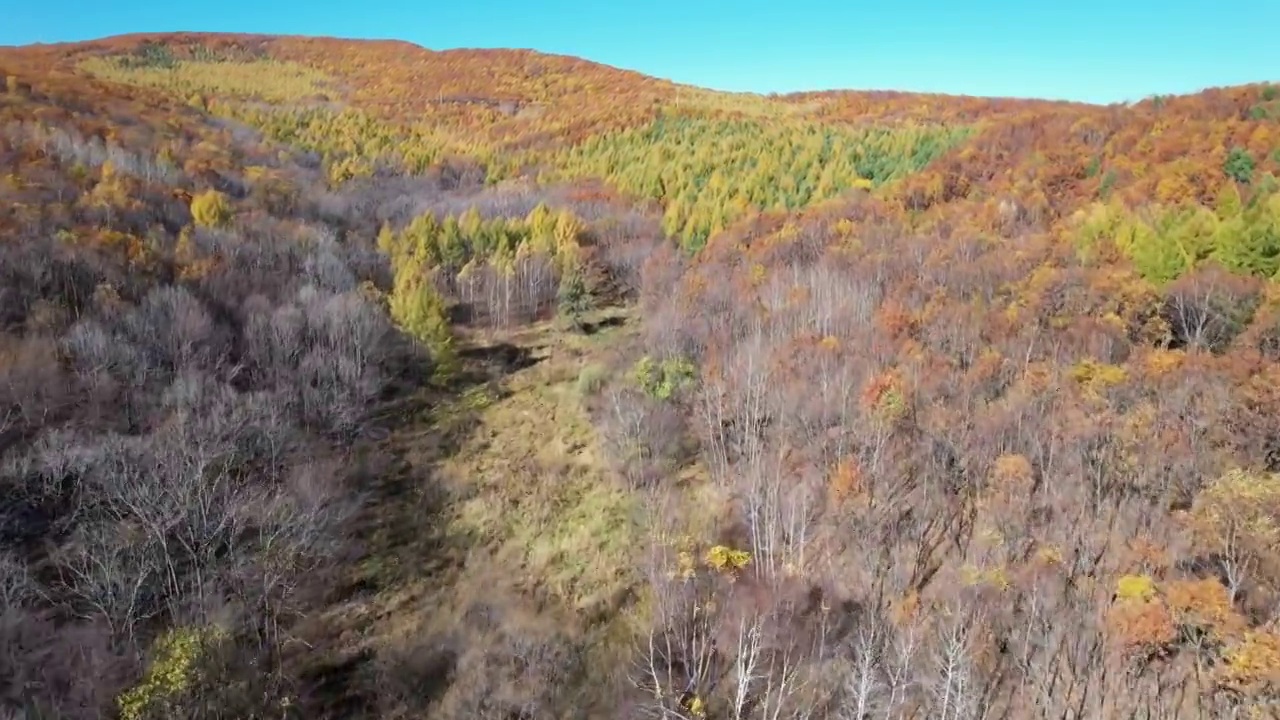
x: 516, y: 111
x: 353, y: 379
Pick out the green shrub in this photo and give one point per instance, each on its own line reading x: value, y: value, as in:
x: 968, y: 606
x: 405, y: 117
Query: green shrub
x: 662, y: 380
x: 1239, y: 165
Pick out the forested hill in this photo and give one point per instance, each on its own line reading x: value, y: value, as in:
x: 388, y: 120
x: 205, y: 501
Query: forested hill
x: 354, y: 379
x: 709, y: 157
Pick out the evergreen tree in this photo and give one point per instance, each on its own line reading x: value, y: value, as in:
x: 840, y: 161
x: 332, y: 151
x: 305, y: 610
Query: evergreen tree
x: 573, y: 298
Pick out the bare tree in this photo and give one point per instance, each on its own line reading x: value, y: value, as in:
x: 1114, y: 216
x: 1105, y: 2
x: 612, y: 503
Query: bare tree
x: 740, y: 648
x: 508, y: 666
x: 954, y: 689
x: 174, y: 328
x: 16, y: 585
x: 1208, y: 307
x: 679, y: 664
x: 645, y: 436
x: 114, y: 578
x: 866, y: 686
x: 283, y: 534
x: 780, y: 508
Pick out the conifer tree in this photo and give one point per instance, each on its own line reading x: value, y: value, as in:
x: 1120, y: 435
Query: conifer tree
x: 420, y: 311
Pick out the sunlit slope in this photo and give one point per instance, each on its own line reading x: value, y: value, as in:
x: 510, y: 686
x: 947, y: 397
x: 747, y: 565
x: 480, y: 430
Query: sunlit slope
x: 712, y: 159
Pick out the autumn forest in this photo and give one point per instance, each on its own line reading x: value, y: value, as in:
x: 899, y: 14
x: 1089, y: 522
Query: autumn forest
x: 350, y: 379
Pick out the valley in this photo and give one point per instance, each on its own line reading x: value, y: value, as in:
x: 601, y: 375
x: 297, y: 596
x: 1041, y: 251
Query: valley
x: 351, y: 379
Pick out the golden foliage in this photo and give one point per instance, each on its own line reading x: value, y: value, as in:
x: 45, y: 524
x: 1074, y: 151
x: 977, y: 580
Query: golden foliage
x: 1083, y: 215
x: 211, y: 209
x: 174, y: 668
x: 1049, y: 555
x: 1160, y: 361
x: 1253, y: 664
x: 727, y: 560
x: 262, y: 79
x: 1096, y: 377
x: 418, y: 309
x: 1135, y: 587
x: 1139, y: 619
x: 719, y: 559
x: 696, y: 707
x: 1239, y: 507
x: 948, y: 158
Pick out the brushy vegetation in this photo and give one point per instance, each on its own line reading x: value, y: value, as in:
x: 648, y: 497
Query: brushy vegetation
x: 350, y: 379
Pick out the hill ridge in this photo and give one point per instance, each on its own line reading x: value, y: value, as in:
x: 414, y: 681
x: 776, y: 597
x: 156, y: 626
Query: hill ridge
x: 345, y: 380
x: 183, y: 36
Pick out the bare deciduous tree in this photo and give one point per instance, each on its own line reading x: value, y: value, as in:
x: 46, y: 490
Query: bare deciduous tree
x: 1208, y: 307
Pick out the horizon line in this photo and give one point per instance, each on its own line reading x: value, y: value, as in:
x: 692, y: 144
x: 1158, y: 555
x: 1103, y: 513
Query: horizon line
x: 782, y: 94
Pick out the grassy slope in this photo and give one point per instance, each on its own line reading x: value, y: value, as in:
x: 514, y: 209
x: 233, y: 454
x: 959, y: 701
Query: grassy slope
x: 527, y: 519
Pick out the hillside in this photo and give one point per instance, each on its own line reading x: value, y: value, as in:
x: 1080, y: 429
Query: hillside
x: 354, y: 379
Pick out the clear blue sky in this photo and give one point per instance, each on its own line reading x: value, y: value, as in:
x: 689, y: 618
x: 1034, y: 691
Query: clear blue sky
x: 1092, y: 50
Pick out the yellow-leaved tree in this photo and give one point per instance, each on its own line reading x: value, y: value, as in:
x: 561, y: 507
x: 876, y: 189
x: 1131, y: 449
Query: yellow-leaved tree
x: 211, y: 209
x: 419, y: 310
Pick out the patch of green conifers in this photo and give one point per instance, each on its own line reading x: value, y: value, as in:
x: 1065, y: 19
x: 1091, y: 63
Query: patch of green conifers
x: 710, y: 172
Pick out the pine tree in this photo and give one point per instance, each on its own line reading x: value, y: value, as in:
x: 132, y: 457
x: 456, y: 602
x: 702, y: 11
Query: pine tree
x: 567, y: 230
x: 573, y: 298
x: 541, y: 225
x: 420, y: 311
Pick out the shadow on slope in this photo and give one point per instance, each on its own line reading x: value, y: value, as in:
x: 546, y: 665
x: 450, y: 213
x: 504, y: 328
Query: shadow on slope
x: 491, y: 538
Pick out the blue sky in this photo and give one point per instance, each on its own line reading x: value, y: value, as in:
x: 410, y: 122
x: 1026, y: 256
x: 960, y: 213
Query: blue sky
x: 1092, y: 50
